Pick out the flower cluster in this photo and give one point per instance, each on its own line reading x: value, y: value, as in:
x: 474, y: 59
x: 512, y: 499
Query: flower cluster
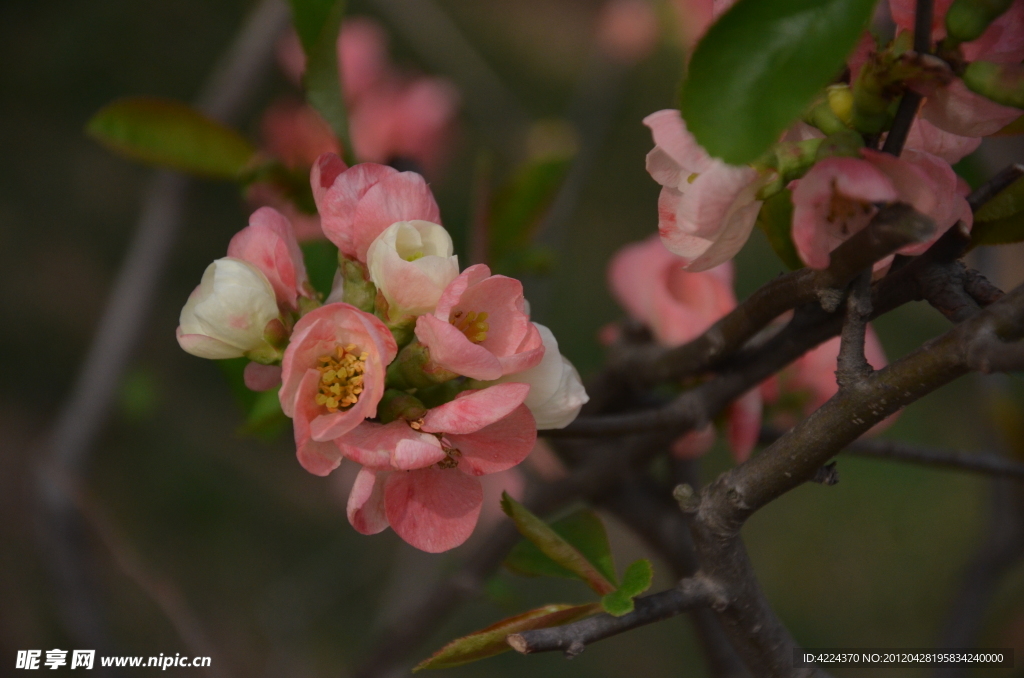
x: 708, y: 208
x: 424, y: 376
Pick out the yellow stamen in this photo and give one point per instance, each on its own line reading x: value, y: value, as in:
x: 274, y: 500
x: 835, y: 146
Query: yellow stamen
x: 341, y: 377
x: 473, y: 325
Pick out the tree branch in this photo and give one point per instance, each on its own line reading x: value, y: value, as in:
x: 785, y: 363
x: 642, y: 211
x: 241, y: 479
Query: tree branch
x: 984, y: 463
x: 892, y: 228
x: 574, y: 638
x: 851, y: 363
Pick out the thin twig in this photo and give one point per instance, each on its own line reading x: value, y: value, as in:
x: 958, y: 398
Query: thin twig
x: 984, y: 463
x: 573, y: 638
x: 994, y: 186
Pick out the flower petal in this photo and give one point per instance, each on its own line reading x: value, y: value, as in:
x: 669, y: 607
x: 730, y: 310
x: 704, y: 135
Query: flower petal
x: 497, y: 447
x: 473, y: 410
x: 365, y: 508
x: 434, y: 510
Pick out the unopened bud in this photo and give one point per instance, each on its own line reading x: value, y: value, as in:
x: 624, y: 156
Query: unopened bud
x: 413, y: 368
x: 966, y: 20
x: 397, y: 404
x: 846, y: 143
x: 357, y: 289
x: 1002, y: 83
x: 840, y: 100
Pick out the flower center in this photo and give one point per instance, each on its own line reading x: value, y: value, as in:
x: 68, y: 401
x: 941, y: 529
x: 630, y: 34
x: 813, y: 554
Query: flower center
x: 341, y: 377
x: 453, y: 453
x: 473, y: 325
x: 848, y: 214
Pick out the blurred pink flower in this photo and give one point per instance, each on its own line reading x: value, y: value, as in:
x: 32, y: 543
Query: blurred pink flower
x: 707, y: 208
x: 424, y: 482
x: 296, y: 134
x: 480, y: 328
x: 654, y: 287
x: 924, y: 136
x: 695, y: 17
x: 332, y: 378
x: 357, y: 203
x: 677, y: 305
x: 810, y: 381
x: 627, y: 30
x: 269, y: 244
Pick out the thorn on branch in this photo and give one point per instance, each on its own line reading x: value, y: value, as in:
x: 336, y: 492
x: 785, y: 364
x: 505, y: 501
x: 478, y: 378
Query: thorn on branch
x: 687, y: 497
x: 827, y: 475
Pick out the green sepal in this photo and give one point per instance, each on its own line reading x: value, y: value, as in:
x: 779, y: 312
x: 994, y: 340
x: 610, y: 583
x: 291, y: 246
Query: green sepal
x: 635, y: 580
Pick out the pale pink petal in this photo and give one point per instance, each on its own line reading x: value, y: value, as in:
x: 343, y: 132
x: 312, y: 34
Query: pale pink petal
x: 676, y: 154
x: 269, y: 244
x: 1003, y: 41
x: 816, y: 230
x: 456, y: 288
x: 365, y: 509
x: 338, y: 192
x: 913, y: 184
x: 529, y: 353
x: 259, y: 377
x: 958, y: 110
x: 317, y: 457
x: 432, y: 509
x: 499, y: 446
x: 207, y: 346
x: 473, y: 410
x: 450, y: 349
x: 401, y: 196
x: 362, y: 56
x: 924, y: 136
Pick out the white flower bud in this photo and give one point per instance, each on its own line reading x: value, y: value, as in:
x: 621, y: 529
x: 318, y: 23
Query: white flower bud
x: 556, y: 391
x: 226, y: 315
x: 411, y: 263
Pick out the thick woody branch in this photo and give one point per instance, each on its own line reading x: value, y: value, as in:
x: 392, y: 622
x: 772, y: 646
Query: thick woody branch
x: 572, y: 639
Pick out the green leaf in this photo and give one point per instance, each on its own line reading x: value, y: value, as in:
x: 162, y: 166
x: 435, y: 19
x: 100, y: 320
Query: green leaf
x: 998, y: 232
x: 552, y: 545
x: 1005, y: 203
x: 171, y: 134
x: 776, y: 220
x: 521, y: 203
x: 318, y: 23
x: 584, y: 531
x: 491, y: 640
x: 1000, y: 221
x: 321, y: 257
x: 759, y: 67
x: 636, y: 579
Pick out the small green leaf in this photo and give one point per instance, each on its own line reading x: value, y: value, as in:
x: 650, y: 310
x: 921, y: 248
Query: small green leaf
x: 636, y: 579
x: 584, y: 531
x: 318, y: 23
x: 1005, y: 203
x: 321, y: 257
x: 491, y: 640
x: 776, y: 220
x: 265, y: 420
x: 554, y: 546
x: 998, y: 232
x: 759, y: 67
x: 520, y: 204
x: 171, y: 134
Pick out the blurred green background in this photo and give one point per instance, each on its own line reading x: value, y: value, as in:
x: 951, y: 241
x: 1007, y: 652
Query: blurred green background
x: 257, y: 551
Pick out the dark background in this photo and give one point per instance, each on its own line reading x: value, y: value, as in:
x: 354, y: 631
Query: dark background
x: 254, y: 554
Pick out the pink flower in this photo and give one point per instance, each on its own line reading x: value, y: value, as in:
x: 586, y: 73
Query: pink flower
x: 627, y: 30
x: 836, y: 198
x: 480, y: 328
x: 924, y: 136
x: 295, y: 133
x: 954, y: 108
x: 269, y: 244
x: 357, y: 203
x: 812, y: 380
x: 696, y: 16
x: 411, y: 263
x: 332, y: 378
x: 410, y: 120
x: 678, y: 305
x: 424, y: 482
x: 362, y: 56
x: 654, y: 287
x: 707, y: 208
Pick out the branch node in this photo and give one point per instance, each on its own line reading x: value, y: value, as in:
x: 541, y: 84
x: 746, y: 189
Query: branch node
x: 575, y: 649
x: 687, y: 497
